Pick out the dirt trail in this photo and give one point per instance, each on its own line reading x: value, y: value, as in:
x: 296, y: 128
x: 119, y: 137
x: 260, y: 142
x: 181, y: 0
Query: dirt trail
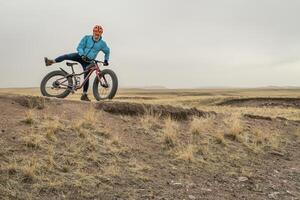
x: 263, y: 102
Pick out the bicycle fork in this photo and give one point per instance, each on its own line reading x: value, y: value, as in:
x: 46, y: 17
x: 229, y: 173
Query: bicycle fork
x: 102, y: 80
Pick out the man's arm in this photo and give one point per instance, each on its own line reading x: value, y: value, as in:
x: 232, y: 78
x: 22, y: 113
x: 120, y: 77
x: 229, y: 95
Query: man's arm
x: 81, y: 46
x: 106, y: 51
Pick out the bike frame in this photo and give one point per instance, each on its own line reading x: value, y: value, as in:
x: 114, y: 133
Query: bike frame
x: 94, y: 67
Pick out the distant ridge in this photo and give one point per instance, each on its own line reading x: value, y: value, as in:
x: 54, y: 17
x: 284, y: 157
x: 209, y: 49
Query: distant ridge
x: 280, y: 87
x: 153, y: 87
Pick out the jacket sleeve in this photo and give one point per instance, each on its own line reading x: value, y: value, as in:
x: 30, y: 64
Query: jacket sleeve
x: 106, y: 51
x: 81, y: 46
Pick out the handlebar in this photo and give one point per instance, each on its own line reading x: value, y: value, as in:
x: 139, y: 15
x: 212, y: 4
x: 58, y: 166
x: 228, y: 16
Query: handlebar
x: 98, y: 61
x: 93, y: 61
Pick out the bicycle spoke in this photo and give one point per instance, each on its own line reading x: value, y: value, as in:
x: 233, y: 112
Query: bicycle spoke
x: 105, y: 86
x: 55, y: 85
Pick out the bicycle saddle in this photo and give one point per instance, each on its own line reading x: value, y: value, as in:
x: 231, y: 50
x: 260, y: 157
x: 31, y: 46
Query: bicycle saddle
x: 71, y: 64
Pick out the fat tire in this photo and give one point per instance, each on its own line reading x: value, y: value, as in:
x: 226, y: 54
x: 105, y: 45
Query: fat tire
x: 114, y: 85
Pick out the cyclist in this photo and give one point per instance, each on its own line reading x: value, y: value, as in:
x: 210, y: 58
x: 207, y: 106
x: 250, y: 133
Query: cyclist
x: 88, y: 49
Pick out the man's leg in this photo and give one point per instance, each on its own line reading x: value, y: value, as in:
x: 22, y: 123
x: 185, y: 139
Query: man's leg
x: 72, y: 56
x: 86, y: 85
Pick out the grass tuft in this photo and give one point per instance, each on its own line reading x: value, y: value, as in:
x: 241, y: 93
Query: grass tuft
x: 199, y: 125
x: 219, y: 137
x: 187, y: 153
x: 33, y: 140
x: 170, y: 132
x: 52, y: 127
x: 150, y: 120
x: 29, y: 117
x: 235, y: 127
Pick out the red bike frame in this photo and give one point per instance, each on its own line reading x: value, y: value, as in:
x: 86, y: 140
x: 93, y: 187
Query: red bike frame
x: 90, y: 70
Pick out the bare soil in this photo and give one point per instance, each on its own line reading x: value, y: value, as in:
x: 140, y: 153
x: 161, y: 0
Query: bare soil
x: 76, y: 150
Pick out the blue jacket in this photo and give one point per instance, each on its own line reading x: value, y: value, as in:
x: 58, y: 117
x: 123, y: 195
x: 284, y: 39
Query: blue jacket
x: 89, y: 48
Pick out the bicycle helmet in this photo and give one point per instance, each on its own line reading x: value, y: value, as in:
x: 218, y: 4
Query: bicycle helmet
x: 97, y: 30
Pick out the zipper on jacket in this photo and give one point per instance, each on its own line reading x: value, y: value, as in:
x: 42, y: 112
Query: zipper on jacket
x: 90, y: 48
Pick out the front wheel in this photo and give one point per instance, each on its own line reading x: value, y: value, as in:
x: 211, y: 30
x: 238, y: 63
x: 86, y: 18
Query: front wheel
x: 107, y: 86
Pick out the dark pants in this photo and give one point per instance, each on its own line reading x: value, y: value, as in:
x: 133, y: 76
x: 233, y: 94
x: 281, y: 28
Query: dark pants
x: 77, y: 58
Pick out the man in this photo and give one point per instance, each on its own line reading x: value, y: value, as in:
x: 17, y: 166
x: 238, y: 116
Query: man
x: 88, y: 49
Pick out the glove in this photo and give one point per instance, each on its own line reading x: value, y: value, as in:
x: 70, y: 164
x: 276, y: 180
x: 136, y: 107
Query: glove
x: 84, y: 58
x: 105, y: 63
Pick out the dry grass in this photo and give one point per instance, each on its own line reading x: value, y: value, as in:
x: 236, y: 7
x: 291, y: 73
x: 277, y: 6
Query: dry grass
x: 125, y: 118
x: 246, y: 172
x: 26, y: 172
x: 33, y: 140
x: 138, y: 166
x: 149, y: 120
x: 91, y: 142
x: 297, y: 133
x: 30, y: 117
x: 36, y: 102
x: 257, y: 138
x: 187, y: 153
x: 200, y: 125
x: 112, y: 170
x: 235, y: 127
x: 116, y: 146
x: 170, y: 132
x: 90, y: 117
x: 50, y: 157
x: 115, y: 140
x: 11, y: 167
x: 89, y: 121
x: 205, y: 147
x: 29, y: 171
x: 77, y: 125
x: 289, y: 113
x: 51, y: 127
x: 102, y: 132
x: 219, y: 137
x: 266, y: 139
x: 99, y: 158
x: 92, y: 156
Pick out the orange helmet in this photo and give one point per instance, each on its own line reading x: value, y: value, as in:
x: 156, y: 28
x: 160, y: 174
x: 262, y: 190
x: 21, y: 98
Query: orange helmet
x: 98, y: 30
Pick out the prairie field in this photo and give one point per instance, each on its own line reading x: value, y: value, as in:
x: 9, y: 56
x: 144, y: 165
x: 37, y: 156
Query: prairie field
x: 151, y: 144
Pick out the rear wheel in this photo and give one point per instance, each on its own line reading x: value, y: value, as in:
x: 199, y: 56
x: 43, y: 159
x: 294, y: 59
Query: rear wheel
x: 55, y: 84
x: 107, y: 87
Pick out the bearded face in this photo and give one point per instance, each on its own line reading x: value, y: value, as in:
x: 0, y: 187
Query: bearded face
x: 97, y: 32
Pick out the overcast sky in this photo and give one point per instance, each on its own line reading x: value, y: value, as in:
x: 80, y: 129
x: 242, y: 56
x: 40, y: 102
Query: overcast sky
x: 172, y: 43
